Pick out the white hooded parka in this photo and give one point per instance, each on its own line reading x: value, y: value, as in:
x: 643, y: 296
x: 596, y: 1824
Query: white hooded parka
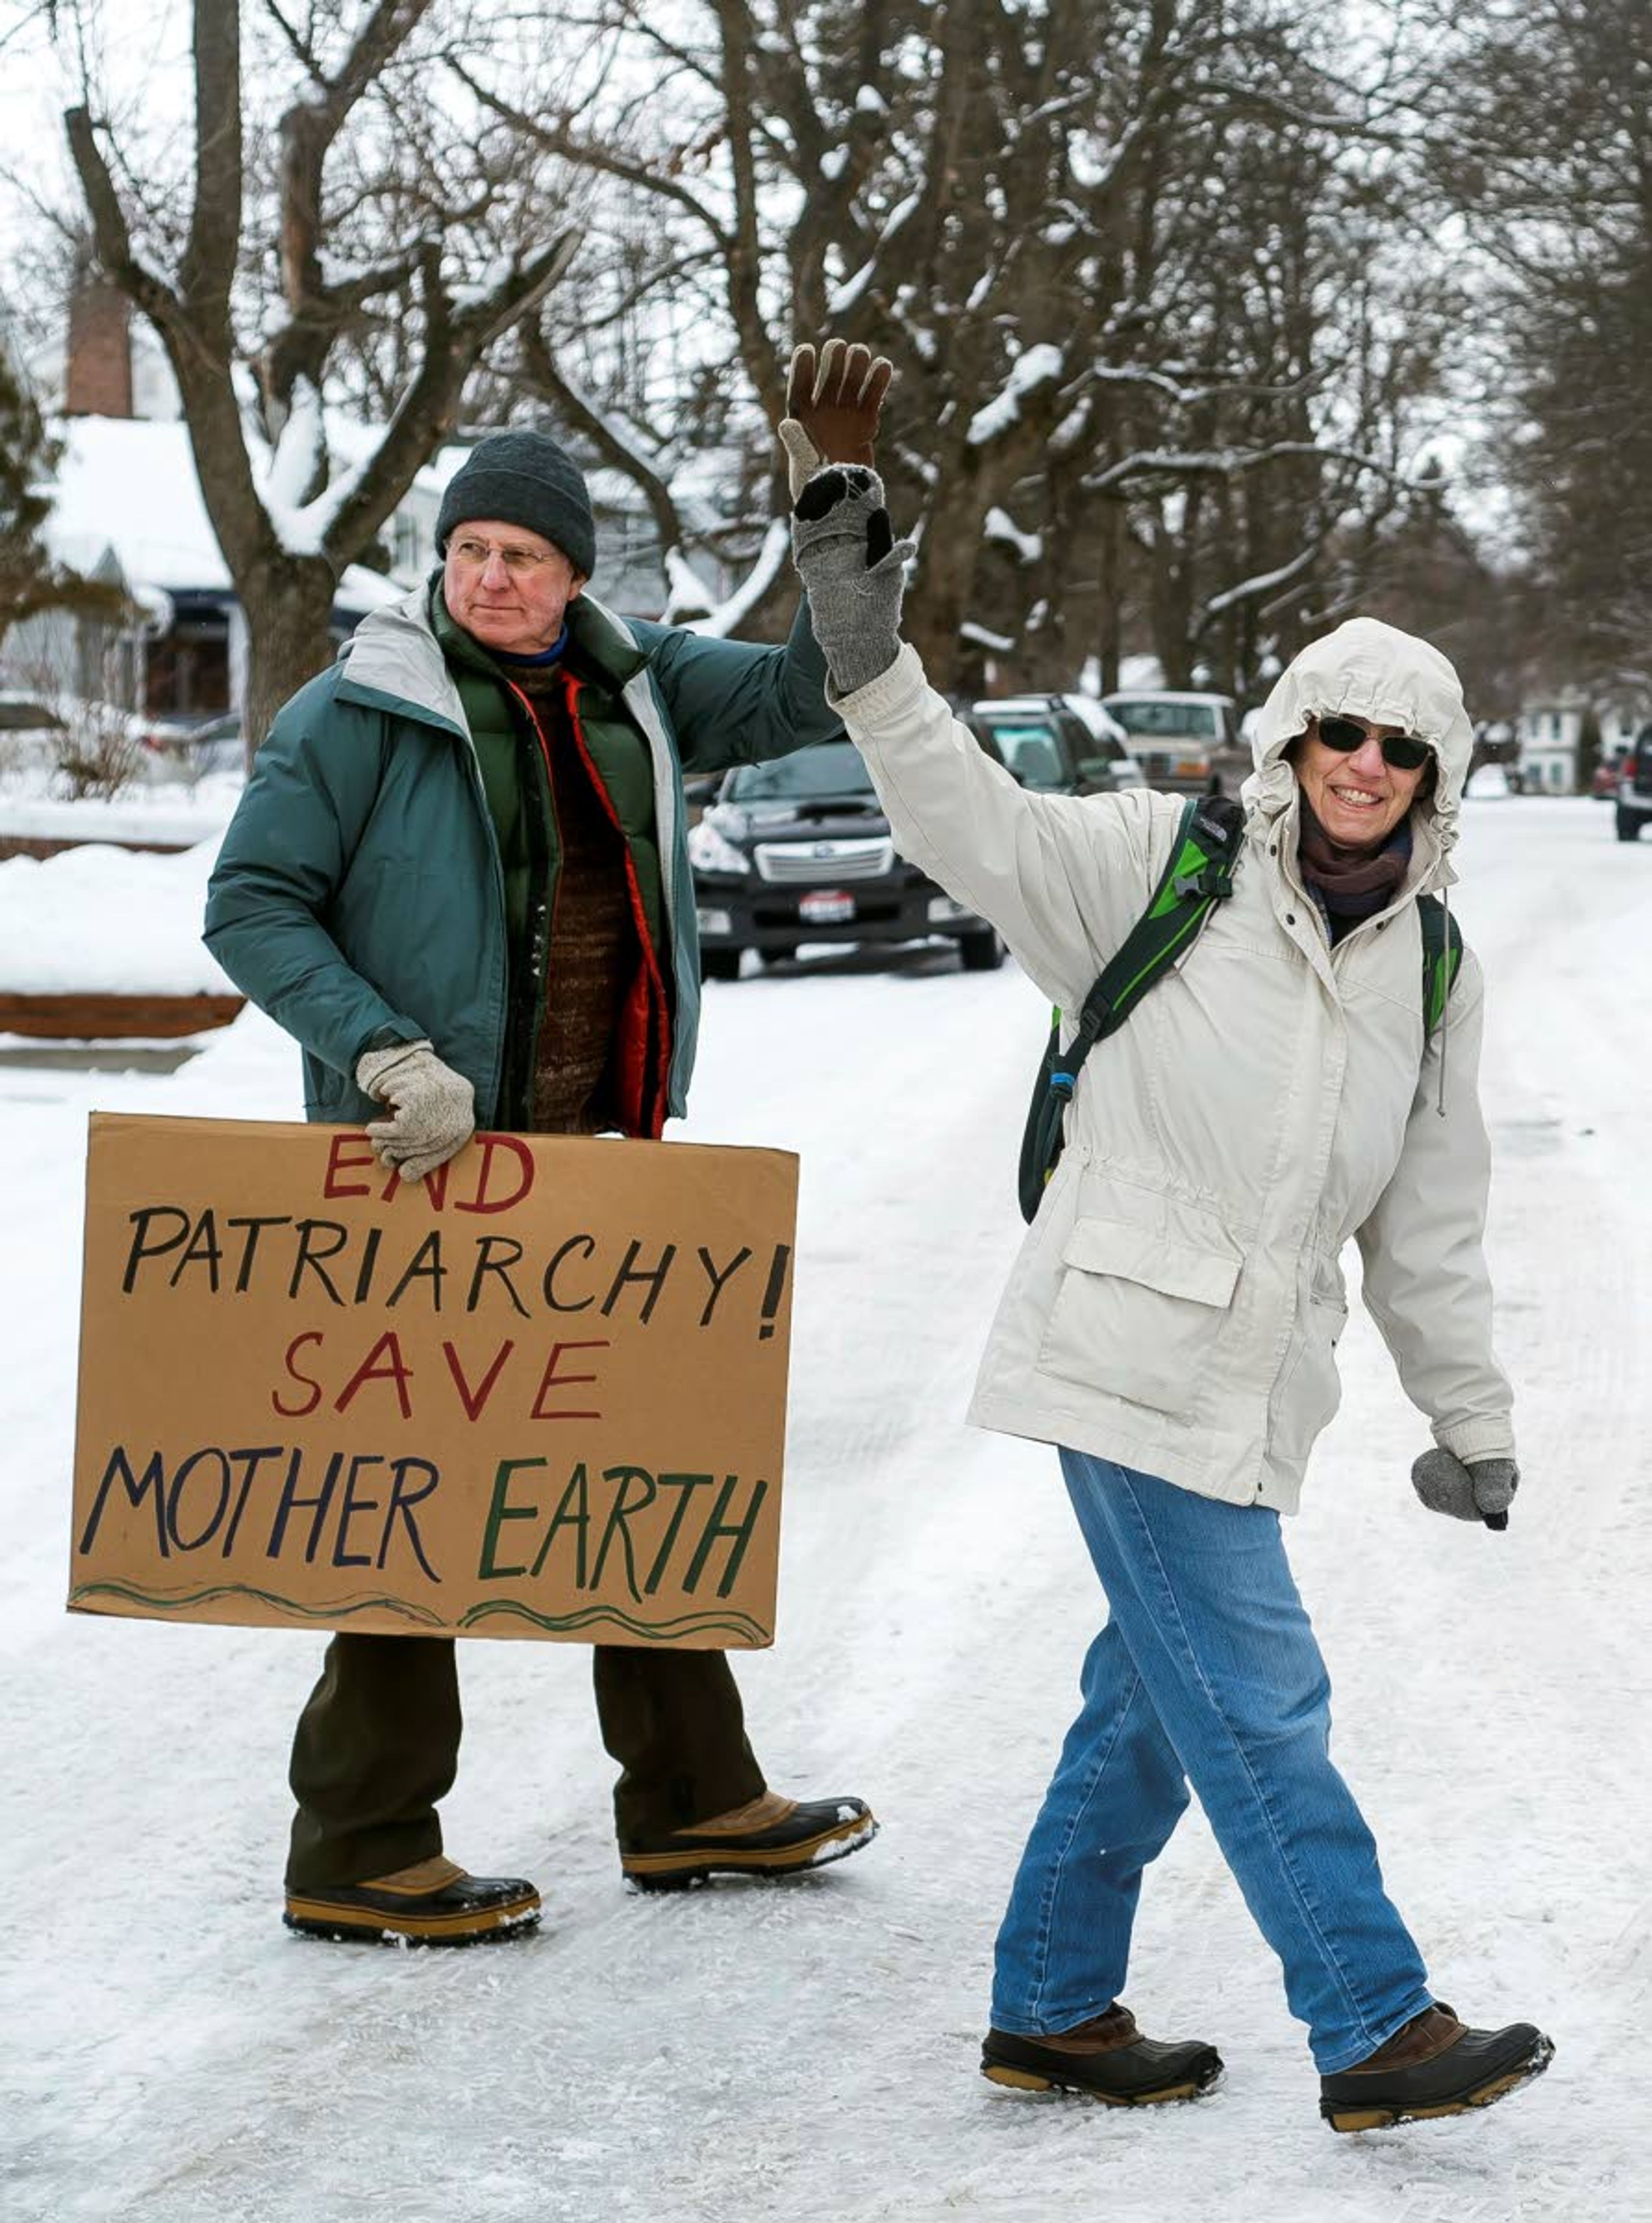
x: 1176, y: 1304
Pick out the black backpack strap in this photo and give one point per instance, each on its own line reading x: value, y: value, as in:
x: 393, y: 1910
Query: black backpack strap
x: 1199, y: 875
x: 1443, y: 957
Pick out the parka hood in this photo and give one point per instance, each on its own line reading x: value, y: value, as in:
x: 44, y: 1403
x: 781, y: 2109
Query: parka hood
x: 1372, y: 670
x: 394, y: 654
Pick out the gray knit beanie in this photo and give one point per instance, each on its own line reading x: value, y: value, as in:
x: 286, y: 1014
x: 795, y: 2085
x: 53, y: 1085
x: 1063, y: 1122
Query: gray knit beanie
x: 527, y: 479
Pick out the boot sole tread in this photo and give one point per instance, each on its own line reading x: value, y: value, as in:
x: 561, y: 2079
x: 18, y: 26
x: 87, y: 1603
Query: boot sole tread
x: 319, y: 1918
x: 1343, y: 2116
x: 670, y: 1871
x: 1033, y: 2079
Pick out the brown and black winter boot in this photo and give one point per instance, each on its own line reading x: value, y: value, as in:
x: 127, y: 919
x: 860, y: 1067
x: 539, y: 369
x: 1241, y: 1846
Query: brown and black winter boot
x: 1106, y: 2059
x: 1433, y: 2065
x: 432, y: 1903
x: 769, y: 1838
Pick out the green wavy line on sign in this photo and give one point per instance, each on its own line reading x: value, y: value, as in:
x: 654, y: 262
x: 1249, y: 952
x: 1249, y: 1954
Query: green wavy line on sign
x: 696, y: 1624
x: 173, y: 1601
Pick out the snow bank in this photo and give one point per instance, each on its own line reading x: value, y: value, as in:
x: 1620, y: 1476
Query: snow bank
x: 172, y: 815
x: 106, y: 919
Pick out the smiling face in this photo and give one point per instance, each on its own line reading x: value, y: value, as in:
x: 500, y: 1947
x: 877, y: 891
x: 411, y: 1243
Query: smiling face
x: 1360, y: 798
x: 507, y: 587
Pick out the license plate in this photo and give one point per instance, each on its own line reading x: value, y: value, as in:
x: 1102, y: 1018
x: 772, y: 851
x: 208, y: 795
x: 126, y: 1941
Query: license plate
x: 824, y: 907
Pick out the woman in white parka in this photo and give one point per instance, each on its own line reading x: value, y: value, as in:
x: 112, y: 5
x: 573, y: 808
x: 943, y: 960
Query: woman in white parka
x: 1172, y: 1319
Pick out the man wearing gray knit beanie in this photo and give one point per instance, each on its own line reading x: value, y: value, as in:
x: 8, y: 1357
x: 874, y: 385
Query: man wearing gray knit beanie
x: 459, y: 876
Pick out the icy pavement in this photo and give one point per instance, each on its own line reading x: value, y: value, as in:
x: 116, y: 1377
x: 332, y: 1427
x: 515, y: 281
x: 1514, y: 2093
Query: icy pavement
x: 746, y: 2054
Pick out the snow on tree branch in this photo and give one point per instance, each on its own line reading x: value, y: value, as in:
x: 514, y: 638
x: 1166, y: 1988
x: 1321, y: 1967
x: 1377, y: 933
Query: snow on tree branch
x: 1038, y: 367
x: 842, y: 298
x: 772, y: 559
x: 998, y: 525
x: 1263, y: 583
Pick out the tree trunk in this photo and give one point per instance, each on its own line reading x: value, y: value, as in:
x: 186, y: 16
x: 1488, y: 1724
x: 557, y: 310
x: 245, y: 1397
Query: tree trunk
x: 288, y: 605
x: 1109, y: 624
x: 946, y: 590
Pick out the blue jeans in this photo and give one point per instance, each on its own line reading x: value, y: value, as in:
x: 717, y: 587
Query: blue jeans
x: 1207, y: 1671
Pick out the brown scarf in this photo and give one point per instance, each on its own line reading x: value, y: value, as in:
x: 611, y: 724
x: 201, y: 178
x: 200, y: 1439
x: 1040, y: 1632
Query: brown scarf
x: 1351, y: 883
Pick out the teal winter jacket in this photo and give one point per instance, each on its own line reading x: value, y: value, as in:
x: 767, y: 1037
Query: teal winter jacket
x: 359, y: 888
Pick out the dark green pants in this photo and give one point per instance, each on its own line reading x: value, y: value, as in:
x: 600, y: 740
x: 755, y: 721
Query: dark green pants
x: 378, y: 1745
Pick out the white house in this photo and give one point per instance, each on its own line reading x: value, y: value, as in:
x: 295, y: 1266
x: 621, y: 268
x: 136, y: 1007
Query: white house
x: 127, y: 506
x: 1550, y: 728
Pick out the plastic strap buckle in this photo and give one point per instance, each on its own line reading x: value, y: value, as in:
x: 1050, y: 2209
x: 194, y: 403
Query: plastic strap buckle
x: 1209, y: 880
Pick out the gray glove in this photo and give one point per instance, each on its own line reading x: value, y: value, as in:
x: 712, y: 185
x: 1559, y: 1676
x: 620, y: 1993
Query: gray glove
x: 853, y: 572
x: 435, y: 1107
x: 1482, y: 1490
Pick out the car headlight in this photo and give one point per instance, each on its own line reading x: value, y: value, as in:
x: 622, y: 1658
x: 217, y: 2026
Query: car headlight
x: 712, y: 851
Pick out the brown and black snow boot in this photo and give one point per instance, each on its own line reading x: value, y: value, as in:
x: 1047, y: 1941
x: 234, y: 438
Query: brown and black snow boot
x: 768, y: 1838
x: 1106, y: 2058
x: 433, y: 1903
x: 1433, y: 2065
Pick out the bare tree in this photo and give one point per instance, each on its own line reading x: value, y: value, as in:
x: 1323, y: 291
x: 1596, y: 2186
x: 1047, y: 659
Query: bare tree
x: 1546, y: 152
x: 404, y: 219
x: 1257, y: 479
x: 1111, y: 395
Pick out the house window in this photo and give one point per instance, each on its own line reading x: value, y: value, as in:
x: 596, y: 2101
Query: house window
x: 405, y: 542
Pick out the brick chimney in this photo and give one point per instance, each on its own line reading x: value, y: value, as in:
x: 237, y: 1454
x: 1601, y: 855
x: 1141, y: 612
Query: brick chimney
x: 97, y: 379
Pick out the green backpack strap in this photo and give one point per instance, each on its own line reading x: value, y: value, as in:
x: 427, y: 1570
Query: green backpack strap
x: 1442, y: 956
x: 1199, y: 876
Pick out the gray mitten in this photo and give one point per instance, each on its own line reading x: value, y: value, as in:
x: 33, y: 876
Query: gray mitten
x: 435, y: 1107
x: 1481, y: 1490
x: 853, y: 572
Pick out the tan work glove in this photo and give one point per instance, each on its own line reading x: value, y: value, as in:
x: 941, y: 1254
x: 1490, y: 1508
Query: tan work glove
x: 832, y: 408
x: 435, y: 1107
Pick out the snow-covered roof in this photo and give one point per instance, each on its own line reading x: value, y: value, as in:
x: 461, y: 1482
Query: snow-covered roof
x: 128, y: 485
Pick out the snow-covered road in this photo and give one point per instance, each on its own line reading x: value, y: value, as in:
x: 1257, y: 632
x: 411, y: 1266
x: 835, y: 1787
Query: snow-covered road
x: 809, y: 2052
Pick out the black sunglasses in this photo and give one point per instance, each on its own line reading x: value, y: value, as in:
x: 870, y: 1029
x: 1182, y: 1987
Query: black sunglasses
x: 1403, y: 751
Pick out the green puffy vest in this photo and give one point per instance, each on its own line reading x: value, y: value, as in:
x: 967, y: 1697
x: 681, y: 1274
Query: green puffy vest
x: 517, y: 790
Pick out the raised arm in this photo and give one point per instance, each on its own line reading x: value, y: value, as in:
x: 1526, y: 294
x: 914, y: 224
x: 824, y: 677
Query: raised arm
x: 1062, y: 878
x: 731, y: 702
x: 736, y: 702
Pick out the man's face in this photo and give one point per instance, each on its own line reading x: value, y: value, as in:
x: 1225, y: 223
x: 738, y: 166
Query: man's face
x: 506, y: 586
x: 1358, y: 798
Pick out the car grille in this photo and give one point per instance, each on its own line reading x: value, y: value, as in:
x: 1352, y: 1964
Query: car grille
x: 790, y: 863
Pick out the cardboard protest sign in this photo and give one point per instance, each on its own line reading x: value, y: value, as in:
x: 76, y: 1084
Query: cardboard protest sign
x: 542, y: 1393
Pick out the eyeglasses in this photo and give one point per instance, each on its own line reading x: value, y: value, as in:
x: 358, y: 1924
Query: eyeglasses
x: 1403, y: 751
x: 518, y: 562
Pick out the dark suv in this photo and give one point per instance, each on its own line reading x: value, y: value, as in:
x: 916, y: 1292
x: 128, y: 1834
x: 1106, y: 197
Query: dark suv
x: 1635, y: 787
x: 799, y: 850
